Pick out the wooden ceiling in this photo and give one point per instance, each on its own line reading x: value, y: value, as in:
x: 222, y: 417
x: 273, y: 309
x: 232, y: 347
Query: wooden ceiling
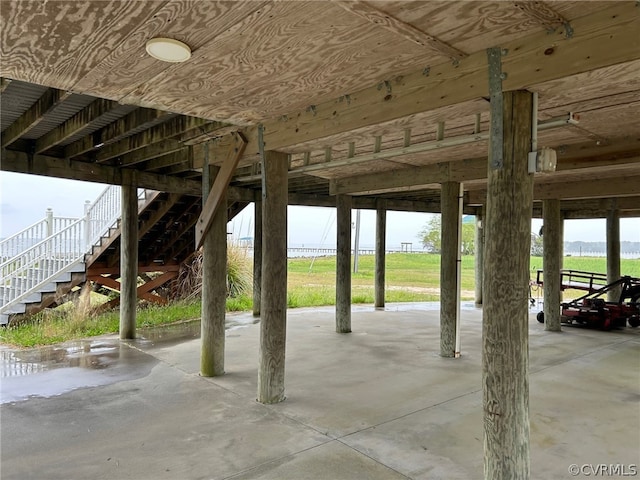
x: 376, y: 99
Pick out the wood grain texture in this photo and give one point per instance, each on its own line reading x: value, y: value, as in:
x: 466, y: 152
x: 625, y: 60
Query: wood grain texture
x: 449, y: 288
x: 343, y: 264
x: 273, y: 315
x: 505, y: 352
x: 58, y: 43
x: 128, y: 256
x: 551, y: 263
x: 307, y: 52
x: 544, y: 14
x: 217, y: 200
x: 405, y: 30
x: 214, y: 292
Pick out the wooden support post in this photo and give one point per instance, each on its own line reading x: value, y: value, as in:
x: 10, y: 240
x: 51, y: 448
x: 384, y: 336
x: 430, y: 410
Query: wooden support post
x: 343, y: 264
x: 613, y: 253
x: 479, y: 255
x: 449, y: 285
x: 381, y: 242
x: 552, y: 256
x: 128, y: 255
x: 505, y: 340
x: 257, y: 257
x: 273, y: 324
x: 214, y: 284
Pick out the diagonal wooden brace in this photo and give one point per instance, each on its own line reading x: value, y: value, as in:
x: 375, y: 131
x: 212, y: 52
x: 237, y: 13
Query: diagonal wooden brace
x: 219, y: 187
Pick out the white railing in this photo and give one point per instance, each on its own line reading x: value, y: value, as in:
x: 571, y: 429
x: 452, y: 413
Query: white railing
x: 65, y: 243
x: 102, y: 214
x: 24, y: 239
x: 36, y: 266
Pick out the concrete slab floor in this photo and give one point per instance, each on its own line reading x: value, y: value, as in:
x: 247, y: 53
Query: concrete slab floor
x: 378, y: 403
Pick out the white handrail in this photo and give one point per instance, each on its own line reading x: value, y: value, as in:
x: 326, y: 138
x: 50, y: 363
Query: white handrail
x: 38, y: 265
x: 22, y: 240
x: 67, y: 243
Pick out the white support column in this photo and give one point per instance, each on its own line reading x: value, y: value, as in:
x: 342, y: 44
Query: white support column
x: 343, y: 264
x: 128, y: 255
x: 273, y: 323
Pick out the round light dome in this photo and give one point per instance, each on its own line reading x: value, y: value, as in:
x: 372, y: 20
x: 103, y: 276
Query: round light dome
x: 168, y: 50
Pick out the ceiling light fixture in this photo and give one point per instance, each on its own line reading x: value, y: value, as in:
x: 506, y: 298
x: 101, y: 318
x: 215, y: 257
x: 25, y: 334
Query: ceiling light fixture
x: 168, y: 50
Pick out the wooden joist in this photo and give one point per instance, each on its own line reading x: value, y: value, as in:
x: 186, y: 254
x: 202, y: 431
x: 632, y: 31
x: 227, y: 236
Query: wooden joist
x: 75, y: 124
x: 608, y: 36
x: 174, y: 127
x: 34, y: 115
x: 114, y: 131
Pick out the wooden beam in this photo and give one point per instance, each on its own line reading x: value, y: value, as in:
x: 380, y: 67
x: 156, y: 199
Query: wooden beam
x: 460, y: 171
x: 171, y: 128
x: 19, y: 162
x: 611, y: 163
x: 99, y: 269
x: 34, y: 115
x: 545, y: 15
x: 169, y: 160
x: 75, y: 124
x: 114, y: 131
x: 584, y: 189
x: 4, y: 83
x: 163, y: 147
x: 609, y: 36
x: 623, y: 186
x: 400, y: 28
x: 219, y: 188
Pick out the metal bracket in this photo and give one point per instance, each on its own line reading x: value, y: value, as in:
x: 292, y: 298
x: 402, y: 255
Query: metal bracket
x: 494, y: 57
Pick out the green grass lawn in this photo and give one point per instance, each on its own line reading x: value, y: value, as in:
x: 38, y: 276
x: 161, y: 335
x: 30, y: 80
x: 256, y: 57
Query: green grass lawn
x: 410, y: 277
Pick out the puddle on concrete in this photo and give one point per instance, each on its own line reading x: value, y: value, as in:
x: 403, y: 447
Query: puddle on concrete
x: 57, y: 369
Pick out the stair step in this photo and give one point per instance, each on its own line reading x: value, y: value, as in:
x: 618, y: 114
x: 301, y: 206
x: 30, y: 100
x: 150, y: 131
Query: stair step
x: 4, y: 319
x: 17, y: 308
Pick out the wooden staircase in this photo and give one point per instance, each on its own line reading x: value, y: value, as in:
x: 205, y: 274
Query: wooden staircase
x: 166, y: 238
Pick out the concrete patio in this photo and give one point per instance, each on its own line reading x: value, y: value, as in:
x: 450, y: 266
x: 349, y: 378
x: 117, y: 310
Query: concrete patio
x: 379, y: 403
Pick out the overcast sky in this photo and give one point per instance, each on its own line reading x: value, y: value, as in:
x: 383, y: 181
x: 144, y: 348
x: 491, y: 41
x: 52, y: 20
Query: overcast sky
x: 25, y: 198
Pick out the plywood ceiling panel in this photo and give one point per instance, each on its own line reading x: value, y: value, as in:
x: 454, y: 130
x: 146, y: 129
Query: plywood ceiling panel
x: 128, y: 67
x: 294, y: 55
x: 57, y: 43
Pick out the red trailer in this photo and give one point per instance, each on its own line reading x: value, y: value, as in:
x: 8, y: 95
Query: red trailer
x: 593, y: 310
